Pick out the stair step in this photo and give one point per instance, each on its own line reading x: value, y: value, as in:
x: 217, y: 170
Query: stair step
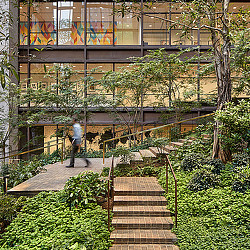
x: 176, y: 144
x: 142, y: 223
x: 206, y: 136
x: 145, y: 153
x: 169, y: 149
x: 140, y: 200
x: 156, y: 152
x: 140, y: 211
x: 139, y: 193
x: 142, y: 236
x: 144, y: 186
x: 188, y: 141
x: 136, y: 157
x: 144, y: 247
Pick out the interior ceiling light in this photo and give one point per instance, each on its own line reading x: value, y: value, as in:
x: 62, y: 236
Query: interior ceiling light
x: 78, y: 17
x: 47, y: 7
x: 150, y: 25
x: 74, y: 7
x: 234, y: 8
x: 21, y: 7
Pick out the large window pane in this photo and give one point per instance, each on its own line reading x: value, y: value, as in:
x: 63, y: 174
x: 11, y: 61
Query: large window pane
x: 128, y: 29
x: 155, y: 29
x: 71, y: 23
x: 23, y: 25
x: 99, y: 24
x: 96, y: 71
x: 43, y: 23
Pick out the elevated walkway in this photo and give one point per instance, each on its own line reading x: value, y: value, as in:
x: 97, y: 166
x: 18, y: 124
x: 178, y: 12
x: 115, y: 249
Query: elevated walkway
x: 55, y: 176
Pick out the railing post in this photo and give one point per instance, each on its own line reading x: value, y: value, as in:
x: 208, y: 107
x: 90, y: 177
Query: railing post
x: 48, y: 147
x: 109, y: 205
x: 5, y: 183
x: 175, y: 203
x: 64, y: 147
x: 62, y: 154
x: 103, y: 153
x: 166, y: 174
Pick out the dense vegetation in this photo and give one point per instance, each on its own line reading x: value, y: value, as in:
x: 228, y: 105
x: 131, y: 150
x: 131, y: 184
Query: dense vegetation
x: 213, y: 198
x: 54, y: 220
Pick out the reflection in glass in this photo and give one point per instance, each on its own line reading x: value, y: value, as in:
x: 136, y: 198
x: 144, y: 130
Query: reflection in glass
x: 100, y: 24
x: 43, y: 23
x: 71, y: 23
x: 128, y: 29
x: 155, y: 29
x: 23, y: 24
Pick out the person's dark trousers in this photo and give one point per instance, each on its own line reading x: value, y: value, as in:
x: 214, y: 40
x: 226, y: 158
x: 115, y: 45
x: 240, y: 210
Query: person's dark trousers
x: 73, y: 152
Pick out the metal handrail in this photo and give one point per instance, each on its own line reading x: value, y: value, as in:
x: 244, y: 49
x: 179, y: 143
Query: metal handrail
x: 33, y: 150
x: 21, y: 153
x: 110, y: 188
x: 168, y: 163
x: 151, y: 129
x: 36, y: 149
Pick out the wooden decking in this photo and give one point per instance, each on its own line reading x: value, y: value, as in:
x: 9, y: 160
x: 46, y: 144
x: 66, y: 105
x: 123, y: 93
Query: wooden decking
x: 55, y: 176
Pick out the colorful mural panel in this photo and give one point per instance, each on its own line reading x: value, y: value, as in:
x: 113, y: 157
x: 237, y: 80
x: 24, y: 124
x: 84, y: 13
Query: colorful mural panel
x: 101, y: 33
x: 41, y: 33
x: 77, y: 33
x: 23, y: 33
x: 44, y: 33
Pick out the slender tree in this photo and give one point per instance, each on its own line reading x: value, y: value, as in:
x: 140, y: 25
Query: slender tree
x: 214, y: 16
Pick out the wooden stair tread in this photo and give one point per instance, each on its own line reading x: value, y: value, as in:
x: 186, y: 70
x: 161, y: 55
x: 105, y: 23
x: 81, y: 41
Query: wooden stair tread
x: 136, y: 156
x: 145, y: 153
x: 144, y: 247
x: 140, y: 208
x: 156, y: 152
x: 178, y: 144
x: 143, y: 233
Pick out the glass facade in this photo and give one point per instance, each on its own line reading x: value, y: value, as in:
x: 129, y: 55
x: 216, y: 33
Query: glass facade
x: 63, y: 23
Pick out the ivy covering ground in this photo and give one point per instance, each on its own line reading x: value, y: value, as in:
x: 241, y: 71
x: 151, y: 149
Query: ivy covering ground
x: 49, y: 221
x: 216, y: 217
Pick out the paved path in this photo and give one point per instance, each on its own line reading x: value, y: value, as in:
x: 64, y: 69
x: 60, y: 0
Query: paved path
x: 56, y: 176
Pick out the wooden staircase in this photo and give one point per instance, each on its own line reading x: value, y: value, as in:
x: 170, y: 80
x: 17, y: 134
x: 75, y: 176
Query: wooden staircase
x: 141, y: 220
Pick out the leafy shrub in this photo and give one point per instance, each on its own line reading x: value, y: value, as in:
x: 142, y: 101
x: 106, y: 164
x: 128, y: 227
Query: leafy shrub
x: 203, y: 179
x: 123, y: 170
x: 9, y: 206
x: 242, y: 180
x: 147, y: 171
x: 122, y: 152
x: 191, y: 162
x: 235, y: 124
x: 199, y: 146
x: 240, y: 161
x: 46, y: 222
x: 217, y: 165
x: 84, y: 188
x: 105, y: 172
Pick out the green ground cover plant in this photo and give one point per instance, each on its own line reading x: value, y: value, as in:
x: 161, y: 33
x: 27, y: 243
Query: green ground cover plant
x: 50, y: 221
x: 213, y: 208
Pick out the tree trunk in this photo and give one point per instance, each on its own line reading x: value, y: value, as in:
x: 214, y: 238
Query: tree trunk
x: 224, y: 85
